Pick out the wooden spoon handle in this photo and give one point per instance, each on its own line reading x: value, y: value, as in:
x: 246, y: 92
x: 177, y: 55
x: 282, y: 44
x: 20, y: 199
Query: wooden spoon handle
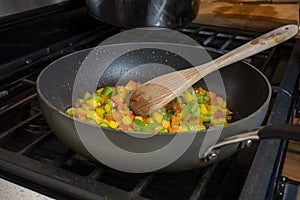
x: 257, y: 45
x: 159, y: 91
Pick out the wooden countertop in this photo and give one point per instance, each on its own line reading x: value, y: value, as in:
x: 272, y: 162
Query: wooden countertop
x: 248, y: 15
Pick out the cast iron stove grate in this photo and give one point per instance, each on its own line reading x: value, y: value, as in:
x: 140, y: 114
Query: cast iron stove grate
x: 31, y: 155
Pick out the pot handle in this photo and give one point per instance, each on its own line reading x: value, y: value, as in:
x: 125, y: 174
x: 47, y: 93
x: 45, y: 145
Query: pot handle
x: 278, y: 131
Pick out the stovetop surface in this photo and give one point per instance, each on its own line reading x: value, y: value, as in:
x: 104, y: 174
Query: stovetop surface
x: 31, y: 155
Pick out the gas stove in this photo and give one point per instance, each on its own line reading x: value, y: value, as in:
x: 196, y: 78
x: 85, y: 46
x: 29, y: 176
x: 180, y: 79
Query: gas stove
x: 32, y: 156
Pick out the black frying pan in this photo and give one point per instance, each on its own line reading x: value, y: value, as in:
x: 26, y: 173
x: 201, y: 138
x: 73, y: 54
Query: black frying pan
x: 248, y: 95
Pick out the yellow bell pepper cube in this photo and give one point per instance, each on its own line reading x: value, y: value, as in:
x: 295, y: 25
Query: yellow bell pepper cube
x: 71, y: 111
x: 209, y: 108
x: 201, y: 127
x: 148, y: 120
x: 99, y: 119
x: 127, y: 120
x: 99, y: 91
x: 112, y: 124
x: 100, y: 111
x: 93, y: 103
x: 188, y: 97
x: 183, y: 129
x: 166, y: 124
x: 107, y: 108
x: 93, y: 115
x: 204, y: 110
x: 139, y: 118
x: 157, y: 117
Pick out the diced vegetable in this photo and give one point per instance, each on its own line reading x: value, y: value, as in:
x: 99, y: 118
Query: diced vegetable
x: 86, y: 96
x: 71, y: 111
x: 93, y: 103
x: 104, y: 124
x: 89, y: 120
x: 150, y: 127
x: 157, y: 117
x: 138, y: 125
x: 127, y: 120
x: 183, y: 129
x: 100, y: 111
x: 107, y: 91
x: 107, y: 101
x: 200, y: 99
x: 206, y: 99
x: 112, y: 124
x: 188, y: 97
x: 166, y: 124
x: 164, y: 130
x: 99, y: 91
x: 206, y: 117
x: 107, y: 108
x: 79, y: 100
x: 131, y: 85
x: 195, y: 110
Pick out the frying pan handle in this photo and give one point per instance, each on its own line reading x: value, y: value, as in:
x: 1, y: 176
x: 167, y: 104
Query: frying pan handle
x: 280, y: 131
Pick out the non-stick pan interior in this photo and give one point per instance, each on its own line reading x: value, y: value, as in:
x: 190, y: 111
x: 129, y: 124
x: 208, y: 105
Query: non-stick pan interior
x: 246, y: 89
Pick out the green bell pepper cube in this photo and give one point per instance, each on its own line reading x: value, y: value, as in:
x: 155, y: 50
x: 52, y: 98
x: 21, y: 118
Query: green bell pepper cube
x: 79, y: 100
x: 150, y: 127
x: 71, y: 111
x: 207, y: 117
x: 138, y: 125
x: 107, y: 91
x: 91, y: 121
x: 86, y: 96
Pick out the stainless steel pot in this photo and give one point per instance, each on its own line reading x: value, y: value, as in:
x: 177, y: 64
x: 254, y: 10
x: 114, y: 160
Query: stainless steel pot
x: 144, y: 13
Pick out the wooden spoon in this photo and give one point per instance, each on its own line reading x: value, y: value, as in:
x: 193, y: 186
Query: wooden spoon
x: 157, y: 92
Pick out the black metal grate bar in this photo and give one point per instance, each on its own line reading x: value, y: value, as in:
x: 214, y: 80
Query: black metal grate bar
x: 23, y: 123
x: 200, y: 188
x: 34, y: 144
x: 60, y: 162
x: 263, y: 67
x: 9, y: 106
x: 140, y: 187
x: 227, y: 43
x: 96, y: 173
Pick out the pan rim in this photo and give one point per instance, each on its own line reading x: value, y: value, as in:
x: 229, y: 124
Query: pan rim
x: 40, y: 95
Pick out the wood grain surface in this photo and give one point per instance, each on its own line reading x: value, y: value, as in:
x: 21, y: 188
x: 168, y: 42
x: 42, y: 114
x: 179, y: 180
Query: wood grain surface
x: 292, y: 166
x: 247, y: 16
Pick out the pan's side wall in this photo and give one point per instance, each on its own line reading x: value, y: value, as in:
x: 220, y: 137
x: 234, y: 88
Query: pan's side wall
x: 66, y: 131
x: 64, y: 128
